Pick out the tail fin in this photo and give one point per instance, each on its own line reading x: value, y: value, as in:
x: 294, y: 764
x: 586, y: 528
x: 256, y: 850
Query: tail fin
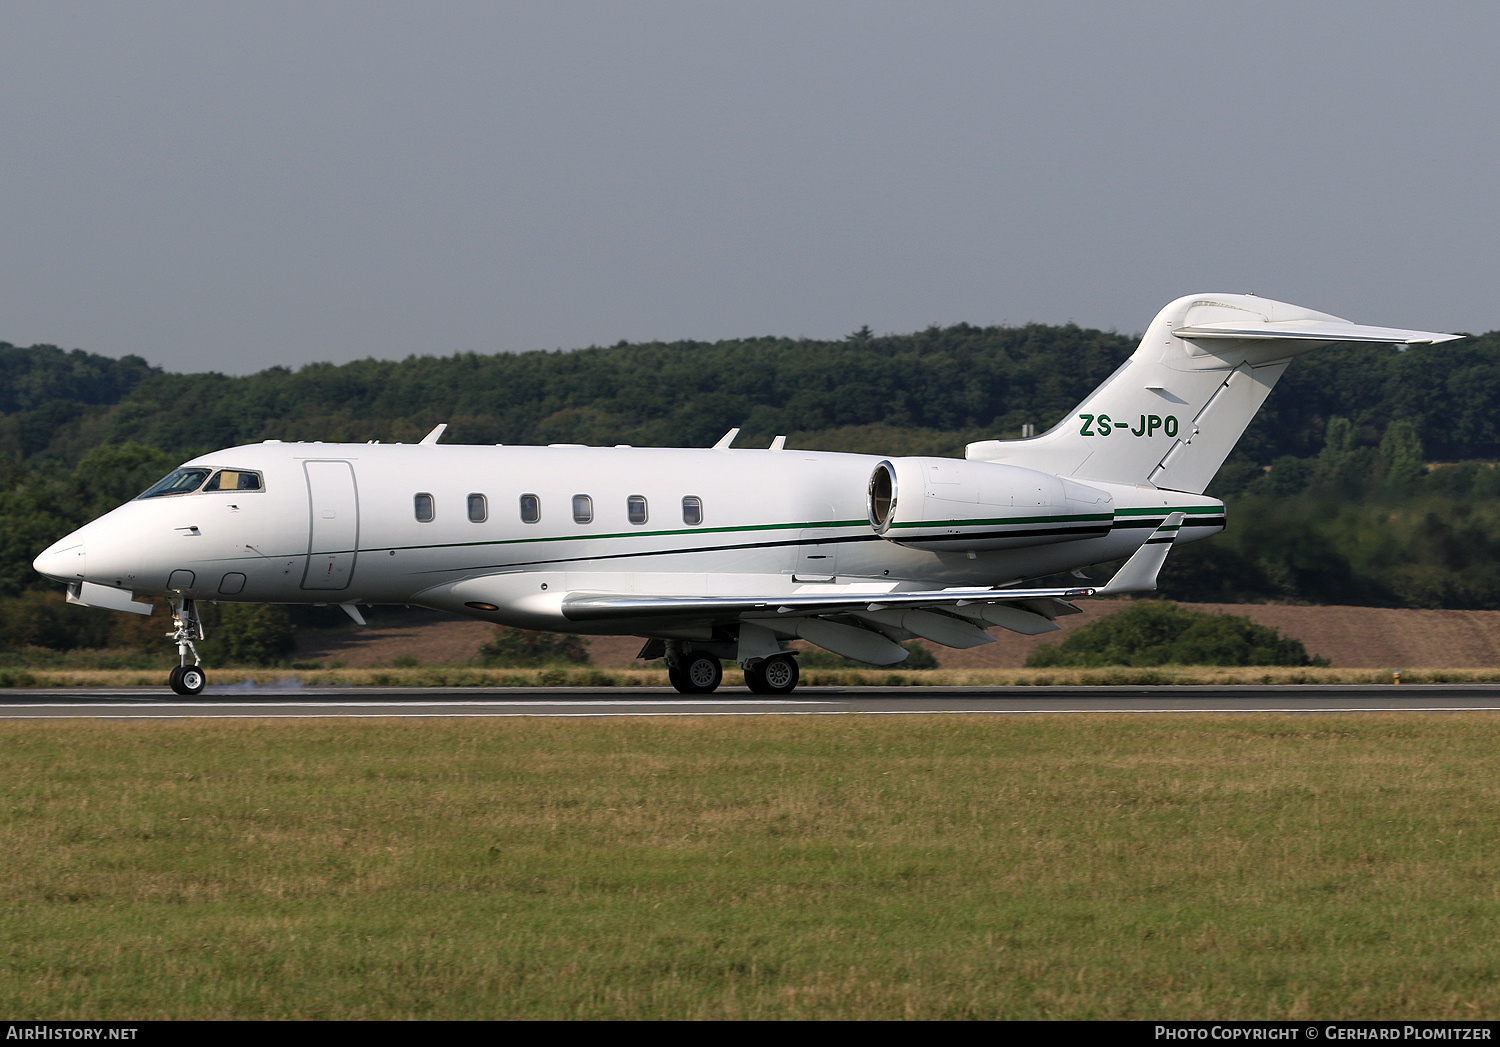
x: 1171, y: 414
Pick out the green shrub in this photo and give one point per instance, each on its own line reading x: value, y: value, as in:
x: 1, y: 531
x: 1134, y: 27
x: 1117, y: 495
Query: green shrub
x: 45, y: 619
x: 522, y: 648
x: 1156, y: 632
x: 245, y: 634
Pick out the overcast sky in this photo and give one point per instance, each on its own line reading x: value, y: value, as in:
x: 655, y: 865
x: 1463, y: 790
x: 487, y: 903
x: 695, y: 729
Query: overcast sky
x: 231, y: 186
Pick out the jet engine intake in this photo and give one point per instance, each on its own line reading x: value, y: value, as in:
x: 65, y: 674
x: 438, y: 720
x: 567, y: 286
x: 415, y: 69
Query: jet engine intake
x: 953, y: 504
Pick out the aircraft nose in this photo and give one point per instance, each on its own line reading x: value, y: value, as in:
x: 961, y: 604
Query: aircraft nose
x: 63, y: 562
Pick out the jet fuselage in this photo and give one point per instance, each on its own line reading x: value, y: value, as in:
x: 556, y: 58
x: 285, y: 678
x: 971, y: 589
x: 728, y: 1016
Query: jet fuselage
x: 455, y: 526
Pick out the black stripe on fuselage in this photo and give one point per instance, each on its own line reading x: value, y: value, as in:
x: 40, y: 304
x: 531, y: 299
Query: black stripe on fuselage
x: 1080, y: 531
x: 1154, y: 522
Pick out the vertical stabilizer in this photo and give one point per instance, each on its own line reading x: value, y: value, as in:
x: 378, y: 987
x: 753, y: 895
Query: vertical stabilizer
x: 1171, y: 414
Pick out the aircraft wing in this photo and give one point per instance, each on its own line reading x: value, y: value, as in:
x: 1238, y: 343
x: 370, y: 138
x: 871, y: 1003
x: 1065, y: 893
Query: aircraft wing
x: 867, y: 626
x: 584, y: 607
x: 870, y: 625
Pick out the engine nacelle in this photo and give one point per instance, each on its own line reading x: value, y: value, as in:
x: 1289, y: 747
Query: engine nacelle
x: 953, y: 504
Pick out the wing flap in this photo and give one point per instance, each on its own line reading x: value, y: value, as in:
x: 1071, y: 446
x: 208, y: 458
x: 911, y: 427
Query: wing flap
x: 1018, y: 619
x: 930, y: 625
x: 863, y: 645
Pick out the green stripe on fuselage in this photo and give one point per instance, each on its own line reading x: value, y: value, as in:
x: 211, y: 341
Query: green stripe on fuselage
x: 577, y: 538
x: 746, y: 529
x: 1194, y: 510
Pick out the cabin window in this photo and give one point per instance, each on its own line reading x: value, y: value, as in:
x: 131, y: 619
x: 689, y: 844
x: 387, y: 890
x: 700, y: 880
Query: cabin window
x: 178, y: 481
x: 583, y: 509
x: 692, y: 510
x: 234, y: 480
x: 423, y: 503
x: 531, y: 508
x: 479, y: 508
x: 635, y: 508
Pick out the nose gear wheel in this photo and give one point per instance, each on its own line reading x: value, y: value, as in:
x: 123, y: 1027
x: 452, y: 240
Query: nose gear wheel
x: 186, y: 679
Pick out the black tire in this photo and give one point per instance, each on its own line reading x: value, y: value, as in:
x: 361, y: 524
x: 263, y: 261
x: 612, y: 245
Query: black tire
x: 699, y: 674
x: 188, y: 680
x: 756, y: 680
x: 779, y: 675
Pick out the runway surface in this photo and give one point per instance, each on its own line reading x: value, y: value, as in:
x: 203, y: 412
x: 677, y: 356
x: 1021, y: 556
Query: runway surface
x: 294, y: 702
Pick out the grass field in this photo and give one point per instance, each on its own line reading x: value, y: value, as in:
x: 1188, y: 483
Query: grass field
x: 771, y: 867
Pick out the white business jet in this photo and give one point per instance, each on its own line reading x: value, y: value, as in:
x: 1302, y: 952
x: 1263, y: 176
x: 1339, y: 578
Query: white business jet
x: 723, y: 552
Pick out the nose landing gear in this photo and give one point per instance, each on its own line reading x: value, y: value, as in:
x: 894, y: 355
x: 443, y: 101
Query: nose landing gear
x: 186, y: 679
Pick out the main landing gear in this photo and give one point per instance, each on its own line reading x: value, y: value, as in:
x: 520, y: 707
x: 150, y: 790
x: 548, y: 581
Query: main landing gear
x: 186, y: 679
x: 776, y: 675
x: 694, y: 671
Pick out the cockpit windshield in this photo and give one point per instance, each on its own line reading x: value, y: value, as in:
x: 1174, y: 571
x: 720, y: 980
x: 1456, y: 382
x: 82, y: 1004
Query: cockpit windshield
x: 178, y: 481
x: 234, y: 480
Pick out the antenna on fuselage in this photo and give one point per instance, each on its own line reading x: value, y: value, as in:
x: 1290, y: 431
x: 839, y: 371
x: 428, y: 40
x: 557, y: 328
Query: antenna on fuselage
x: 726, y: 440
x: 432, y: 437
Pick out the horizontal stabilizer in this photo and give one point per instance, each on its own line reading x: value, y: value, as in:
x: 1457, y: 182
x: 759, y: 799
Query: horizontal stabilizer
x: 1140, y: 571
x: 1311, y: 330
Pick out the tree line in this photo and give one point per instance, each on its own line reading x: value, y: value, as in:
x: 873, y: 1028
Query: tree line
x: 1331, y: 496
x: 939, y: 386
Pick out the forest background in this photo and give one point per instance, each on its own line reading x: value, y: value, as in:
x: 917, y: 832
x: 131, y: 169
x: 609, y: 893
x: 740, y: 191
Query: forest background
x: 1368, y: 478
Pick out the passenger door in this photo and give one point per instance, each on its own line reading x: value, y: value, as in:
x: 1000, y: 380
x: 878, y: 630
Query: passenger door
x: 333, y: 531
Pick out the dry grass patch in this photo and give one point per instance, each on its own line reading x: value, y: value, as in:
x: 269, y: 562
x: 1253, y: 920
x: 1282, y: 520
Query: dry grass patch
x: 588, y: 676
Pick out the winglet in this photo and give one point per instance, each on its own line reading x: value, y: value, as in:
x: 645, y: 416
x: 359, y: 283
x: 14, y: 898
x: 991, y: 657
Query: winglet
x: 727, y: 439
x: 432, y: 437
x: 1140, y: 571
